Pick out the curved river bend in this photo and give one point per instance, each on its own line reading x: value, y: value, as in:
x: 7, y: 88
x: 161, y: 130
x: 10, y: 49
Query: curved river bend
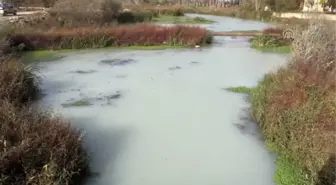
x: 163, y: 117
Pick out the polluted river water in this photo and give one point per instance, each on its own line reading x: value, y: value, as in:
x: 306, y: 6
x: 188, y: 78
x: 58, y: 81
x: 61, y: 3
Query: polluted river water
x: 164, y: 117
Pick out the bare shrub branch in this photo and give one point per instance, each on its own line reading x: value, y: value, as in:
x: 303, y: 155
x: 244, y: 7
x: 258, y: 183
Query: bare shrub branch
x: 316, y: 45
x: 36, y: 149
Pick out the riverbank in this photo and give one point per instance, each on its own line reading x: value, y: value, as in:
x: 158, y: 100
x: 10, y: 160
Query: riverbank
x: 256, y: 43
x: 35, y: 146
x: 295, y: 108
x: 267, y: 40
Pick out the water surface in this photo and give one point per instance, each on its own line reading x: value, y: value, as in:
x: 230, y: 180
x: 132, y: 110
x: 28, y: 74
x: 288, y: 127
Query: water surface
x: 164, y: 117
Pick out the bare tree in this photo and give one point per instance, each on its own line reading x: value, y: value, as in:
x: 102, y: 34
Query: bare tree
x: 258, y: 5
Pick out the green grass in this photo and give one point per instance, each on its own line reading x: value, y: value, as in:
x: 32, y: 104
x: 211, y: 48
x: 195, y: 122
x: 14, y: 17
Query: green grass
x: 268, y: 43
x: 51, y: 55
x: 241, y: 89
x: 78, y: 103
x: 286, y: 173
x: 84, y: 72
x: 181, y: 20
x: 39, y: 56
x: 279, y: 49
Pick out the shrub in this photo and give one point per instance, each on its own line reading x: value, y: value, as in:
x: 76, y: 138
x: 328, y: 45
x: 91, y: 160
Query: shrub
x: 69, y: 19
x: 284, y: 5
x: 130, y: 17
x: 170, y: 10
x: 277, y: 31
x: 130, y: 35
x: 110, y: 10
x: 296, y: 107
x: 269, y: 41
x: 72, y: 14
x: 327, y: 174
x: 329, y: 3
x: 73, y: 19
x: 18, y: 84
x: 84, y: 6
x: 178, y: 12
x: 36, y: 149
x: 174, y: 10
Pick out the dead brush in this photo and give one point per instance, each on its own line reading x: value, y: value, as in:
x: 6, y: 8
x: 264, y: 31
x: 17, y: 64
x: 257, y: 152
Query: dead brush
x: 316, y: 45
x: 18, y: 83
x: 37, y: 149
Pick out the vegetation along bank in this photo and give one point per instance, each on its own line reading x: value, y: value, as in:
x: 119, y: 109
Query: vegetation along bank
x: 272, y: 40
x: 295, y: 108
x: 36, y: 147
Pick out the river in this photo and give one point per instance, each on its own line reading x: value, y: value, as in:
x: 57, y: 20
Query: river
x: 164, y: 117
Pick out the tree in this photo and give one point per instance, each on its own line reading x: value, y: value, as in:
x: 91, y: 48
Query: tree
x: 48, y: 3
x: 284, y: 5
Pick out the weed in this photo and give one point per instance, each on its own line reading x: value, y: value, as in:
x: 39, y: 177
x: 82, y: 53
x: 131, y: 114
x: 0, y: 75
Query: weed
x: 85, y: 72
x: 279, y: 49
x: 79, y: 103
x: 271, y: 43
x: 240, y: 89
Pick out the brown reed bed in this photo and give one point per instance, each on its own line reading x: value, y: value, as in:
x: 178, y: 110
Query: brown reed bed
x: 128, y: 35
